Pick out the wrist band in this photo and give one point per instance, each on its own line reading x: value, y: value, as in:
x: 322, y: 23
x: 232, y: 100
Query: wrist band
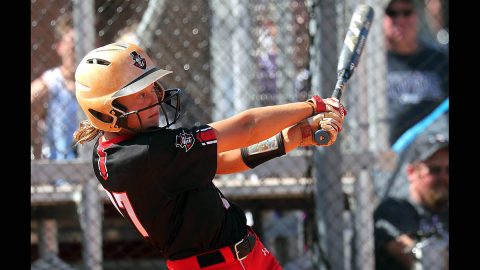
x: 318, y: 103
x: 263, y: 151
x: 311, y: 105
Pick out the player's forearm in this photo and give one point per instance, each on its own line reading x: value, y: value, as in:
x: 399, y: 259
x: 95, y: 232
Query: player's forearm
x: 232, y: 161
x: 258, y: 124
x: 268, y: 121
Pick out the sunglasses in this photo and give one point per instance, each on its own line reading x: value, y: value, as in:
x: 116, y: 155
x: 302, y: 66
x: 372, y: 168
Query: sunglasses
x: 397, y: 13
x: 436, y: 170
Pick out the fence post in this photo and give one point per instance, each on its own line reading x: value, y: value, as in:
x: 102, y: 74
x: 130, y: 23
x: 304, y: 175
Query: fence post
x: 285, y: 56
x: 373, y: 131
x: 84, y: 25
x: 145, y: 30
x: 363, y: 212
x: 91, y: 215
x: 231, y: 65
x: 48, y: 248
x: 48, y: 242
x: 329, y: 196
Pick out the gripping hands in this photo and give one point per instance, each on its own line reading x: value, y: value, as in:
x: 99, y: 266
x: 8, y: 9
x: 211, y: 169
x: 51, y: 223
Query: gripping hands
x: 320, y: 105
x: 330, y: 120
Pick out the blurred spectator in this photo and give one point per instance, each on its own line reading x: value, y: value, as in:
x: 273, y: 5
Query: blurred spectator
x: 417, y: 77
x: 303, y: 84
x: 267, y: 62
x: 53, y: 103
x: 128, y: 34
x: 414, y: 231
x: 436, y: 16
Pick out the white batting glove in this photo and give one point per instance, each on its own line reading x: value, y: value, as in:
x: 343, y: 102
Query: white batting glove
x: 331, y: 122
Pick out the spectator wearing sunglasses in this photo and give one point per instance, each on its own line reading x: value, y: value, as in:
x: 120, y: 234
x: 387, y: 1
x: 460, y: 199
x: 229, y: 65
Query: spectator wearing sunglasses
x: 417, y: 76
x: 404, y: 226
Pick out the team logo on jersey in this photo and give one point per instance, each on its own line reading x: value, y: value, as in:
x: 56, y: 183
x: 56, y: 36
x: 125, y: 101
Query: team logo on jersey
x: 138, y: 60
x: 184, y: 140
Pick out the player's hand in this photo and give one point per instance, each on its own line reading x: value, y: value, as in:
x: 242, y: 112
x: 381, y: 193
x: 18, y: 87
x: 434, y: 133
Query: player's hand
x: 320, y: 105
x: 331, y: 122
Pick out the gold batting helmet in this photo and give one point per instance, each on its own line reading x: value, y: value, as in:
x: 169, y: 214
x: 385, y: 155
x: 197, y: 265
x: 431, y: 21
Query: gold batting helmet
x: 110, y: 72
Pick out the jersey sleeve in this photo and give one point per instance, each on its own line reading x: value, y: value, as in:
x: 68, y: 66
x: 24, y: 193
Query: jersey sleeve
x: 184, y: 158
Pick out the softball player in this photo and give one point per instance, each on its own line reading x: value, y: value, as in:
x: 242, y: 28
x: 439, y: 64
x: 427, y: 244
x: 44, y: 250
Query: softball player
x: 160, y: 178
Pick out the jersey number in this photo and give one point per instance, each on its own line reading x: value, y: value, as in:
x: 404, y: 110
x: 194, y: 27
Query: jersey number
x: 121, y: 199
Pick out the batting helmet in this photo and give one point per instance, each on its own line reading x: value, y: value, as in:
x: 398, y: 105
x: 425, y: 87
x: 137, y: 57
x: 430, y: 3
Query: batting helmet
x: 113, y: 71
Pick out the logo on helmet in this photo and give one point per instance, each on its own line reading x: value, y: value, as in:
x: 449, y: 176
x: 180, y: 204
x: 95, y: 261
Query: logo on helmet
x: 139, y: 61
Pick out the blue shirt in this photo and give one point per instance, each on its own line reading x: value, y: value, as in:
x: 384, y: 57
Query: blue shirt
x: 61, y: 118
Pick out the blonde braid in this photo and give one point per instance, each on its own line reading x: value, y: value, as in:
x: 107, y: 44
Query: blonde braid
x: 86, y: 132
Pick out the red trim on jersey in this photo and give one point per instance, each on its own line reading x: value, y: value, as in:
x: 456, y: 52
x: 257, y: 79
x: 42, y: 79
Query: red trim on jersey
x: 206, y: 135
x: 121, y: 198
x: 102, y: 162
x: 107, y: 143
x: 102, y: 155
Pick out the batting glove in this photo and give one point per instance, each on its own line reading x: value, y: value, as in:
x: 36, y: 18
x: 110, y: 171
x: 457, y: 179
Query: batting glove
x: 331, y: 122
x: 320, y: 105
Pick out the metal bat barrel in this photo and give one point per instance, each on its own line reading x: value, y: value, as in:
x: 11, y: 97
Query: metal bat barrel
x: 349, y: 56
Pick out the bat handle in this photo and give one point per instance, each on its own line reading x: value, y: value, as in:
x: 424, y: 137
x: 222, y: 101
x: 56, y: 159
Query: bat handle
x: 337, y: 93
x: 321, y: 137
x: 340, y: 85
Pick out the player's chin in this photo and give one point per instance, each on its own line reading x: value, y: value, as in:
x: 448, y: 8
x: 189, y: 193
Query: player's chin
x: 150, y: 122
x: 154, y: 123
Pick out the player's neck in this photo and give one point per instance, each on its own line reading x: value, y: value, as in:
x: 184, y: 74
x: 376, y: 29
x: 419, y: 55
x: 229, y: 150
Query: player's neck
x: 109, y: 135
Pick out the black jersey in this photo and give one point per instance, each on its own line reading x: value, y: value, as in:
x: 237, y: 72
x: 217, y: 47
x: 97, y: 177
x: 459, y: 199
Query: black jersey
x: 396, y: 216
x: 161, y: 181
x: 416, y: 85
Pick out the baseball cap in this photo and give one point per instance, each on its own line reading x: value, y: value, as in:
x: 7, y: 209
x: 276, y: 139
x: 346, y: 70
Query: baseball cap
x: 427, y: 145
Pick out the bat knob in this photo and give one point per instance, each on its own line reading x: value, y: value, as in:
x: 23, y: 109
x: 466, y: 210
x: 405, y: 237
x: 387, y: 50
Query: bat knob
x: 321, y: 137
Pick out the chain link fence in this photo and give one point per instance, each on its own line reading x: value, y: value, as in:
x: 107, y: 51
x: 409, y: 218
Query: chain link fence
x: 312, y: 208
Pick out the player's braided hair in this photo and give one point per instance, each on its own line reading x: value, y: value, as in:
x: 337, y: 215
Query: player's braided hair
x: 85, y: 133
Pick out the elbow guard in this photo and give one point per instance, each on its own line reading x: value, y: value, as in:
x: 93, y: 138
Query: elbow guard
x: 263, y: 151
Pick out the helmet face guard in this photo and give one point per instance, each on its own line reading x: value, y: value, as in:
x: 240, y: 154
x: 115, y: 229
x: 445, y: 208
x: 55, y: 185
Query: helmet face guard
x: 169, y: 103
